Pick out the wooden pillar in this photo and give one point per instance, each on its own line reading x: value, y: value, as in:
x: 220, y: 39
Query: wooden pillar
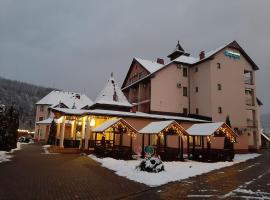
x: 83, y: 132
x: 87, y: 133
x: 95, y: 142
x: 130, y: 145
x: 188, y: 147
x: 182, y: 149
x: 149, y: 137
x: 143, y: 145
x: 121, y: 138
x: 202, y: 139
x: 193, y: 146
x: 113, y: 138
x: 62, y: 137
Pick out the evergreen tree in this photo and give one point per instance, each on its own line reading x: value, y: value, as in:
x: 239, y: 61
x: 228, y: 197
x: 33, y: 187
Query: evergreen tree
x: 52, y: 133
x: 9, y: 124
x: 227, y: 143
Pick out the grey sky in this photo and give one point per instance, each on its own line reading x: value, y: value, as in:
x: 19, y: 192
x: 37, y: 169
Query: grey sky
x: 74, y: 45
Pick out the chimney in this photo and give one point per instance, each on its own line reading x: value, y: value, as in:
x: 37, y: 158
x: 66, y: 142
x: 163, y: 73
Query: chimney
x: 160, y: 61
x: 202, y: 55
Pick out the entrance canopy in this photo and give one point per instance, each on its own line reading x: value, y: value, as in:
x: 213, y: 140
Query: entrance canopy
x: 115, y: 123
x: 212, y: 129
x: 159, y: 127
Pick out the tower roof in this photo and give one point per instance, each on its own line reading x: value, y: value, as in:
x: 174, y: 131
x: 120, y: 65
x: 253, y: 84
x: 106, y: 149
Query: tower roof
x: 178, y: 51
x: 112, y: 95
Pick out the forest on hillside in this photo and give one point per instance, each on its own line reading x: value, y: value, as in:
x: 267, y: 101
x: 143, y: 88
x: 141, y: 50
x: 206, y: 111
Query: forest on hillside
x: 24, y: 97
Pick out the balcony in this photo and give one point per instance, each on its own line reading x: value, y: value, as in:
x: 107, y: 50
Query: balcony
x: 252, y: 123
x: 248, y: 81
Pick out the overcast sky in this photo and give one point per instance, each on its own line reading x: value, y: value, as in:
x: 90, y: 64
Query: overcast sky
x: 75, y: 45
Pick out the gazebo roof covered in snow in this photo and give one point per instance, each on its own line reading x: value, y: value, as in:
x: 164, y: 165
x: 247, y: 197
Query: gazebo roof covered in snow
x: 207, y: 129
x: 70, y: 100
x: 111, y: 96
x: 112, y: 122
x: 160, y: 126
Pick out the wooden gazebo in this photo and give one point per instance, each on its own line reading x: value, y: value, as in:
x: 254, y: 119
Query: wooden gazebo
x: 109, y: 138
x: 199, y: 134
x: 161, y: 131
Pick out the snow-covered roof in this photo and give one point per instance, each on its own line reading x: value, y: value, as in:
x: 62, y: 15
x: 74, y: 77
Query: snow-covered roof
x: 151, y: 66
x: 112, y: 95
x: 204, y: 129
x: 45, y: 121
x: 103, y: 127
x: 70, y: 99
x: 124, y: 114
x: 265, y: 136
x: 155, y: 127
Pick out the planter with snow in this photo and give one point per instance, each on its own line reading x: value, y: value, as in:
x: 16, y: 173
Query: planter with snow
x: 151, y: 164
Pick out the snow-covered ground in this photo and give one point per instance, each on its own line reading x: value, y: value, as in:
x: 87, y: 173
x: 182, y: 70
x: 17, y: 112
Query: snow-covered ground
x: 5, y: 155
x: 174, y: 171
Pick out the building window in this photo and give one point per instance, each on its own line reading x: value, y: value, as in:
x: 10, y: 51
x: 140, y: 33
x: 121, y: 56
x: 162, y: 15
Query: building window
x: 185, y: 111
x: 219, y: 86
x: 40, y: 119
x: 197, y: 140
x: 218, y: 66
x: 219, y: 110
x: 197, y: 89
x: 196, y: 69
x: 185, y: 92
x: 197, y: 111
x: 41, y: 108
x: 185, y: 73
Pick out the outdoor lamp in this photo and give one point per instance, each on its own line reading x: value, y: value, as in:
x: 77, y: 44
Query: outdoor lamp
x: 92, y: 122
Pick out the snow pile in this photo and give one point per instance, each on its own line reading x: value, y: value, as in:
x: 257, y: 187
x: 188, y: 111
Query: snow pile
x: 45, y: 148
x: 174, y: 171
x: 151, y: 164
x: 4, y: 156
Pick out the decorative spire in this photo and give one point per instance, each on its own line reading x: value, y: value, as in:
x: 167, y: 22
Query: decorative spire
x: 74, y: 106
x: 178, y: 47
x: 112, y: 75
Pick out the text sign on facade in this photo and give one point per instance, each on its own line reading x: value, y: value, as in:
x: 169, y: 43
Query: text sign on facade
x: 232, y: 54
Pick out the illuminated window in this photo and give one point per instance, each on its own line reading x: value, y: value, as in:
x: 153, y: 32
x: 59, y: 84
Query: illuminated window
x: 197, y: 140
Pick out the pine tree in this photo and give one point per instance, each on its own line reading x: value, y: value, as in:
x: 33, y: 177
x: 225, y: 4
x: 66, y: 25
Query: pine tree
x: 227, y: 143
x: 52, y: 133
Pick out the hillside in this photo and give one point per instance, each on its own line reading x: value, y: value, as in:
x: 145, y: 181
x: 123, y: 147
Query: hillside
x: 23, y: 96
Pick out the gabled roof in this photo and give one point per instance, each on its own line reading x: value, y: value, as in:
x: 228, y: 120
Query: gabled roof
x: 155, y: 127
x: 108, y: 124
x: 265, y: 136
x: 207, y: 129
x: 112, y: 95
x: 209, y: 54
x: 158, y: 127
x: 54, y: 98
x: 150, y: 66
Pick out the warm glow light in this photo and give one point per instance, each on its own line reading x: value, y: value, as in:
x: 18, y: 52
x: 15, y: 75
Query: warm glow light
x: 92, y: 122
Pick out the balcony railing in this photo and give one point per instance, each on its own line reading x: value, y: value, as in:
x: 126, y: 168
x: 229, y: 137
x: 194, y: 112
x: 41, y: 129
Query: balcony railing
x: 252, y: 123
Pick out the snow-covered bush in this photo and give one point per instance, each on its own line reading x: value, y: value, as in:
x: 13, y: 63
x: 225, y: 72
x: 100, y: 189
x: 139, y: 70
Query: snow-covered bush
x: 151, y: 164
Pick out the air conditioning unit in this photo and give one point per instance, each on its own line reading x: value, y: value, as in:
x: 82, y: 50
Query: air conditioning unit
x: 179, y: 66
x: 179, y: 85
